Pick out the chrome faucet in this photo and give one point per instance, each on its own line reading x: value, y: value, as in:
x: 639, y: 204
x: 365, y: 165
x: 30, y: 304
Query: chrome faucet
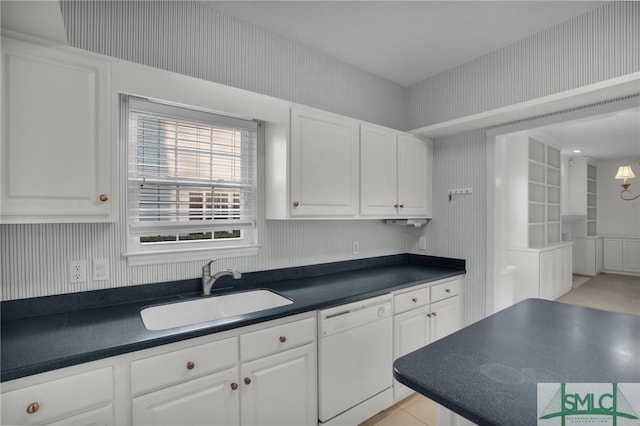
x: 208, y: 279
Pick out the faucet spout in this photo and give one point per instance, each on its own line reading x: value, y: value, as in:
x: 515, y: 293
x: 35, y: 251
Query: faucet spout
x: 209, y: 278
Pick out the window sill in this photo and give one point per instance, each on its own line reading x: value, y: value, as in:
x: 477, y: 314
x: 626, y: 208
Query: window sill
x: 187, y: 255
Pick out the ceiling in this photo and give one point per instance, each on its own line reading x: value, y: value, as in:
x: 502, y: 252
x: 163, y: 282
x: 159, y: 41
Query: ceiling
x: 405, y: 41
x: 604, y: 137
x: 409, y: 41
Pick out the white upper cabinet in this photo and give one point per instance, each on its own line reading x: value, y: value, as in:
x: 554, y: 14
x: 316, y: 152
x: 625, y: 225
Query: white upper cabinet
x: 379, y: 171
x: 58, y: 162
x: 312, y: 166
x: 324, y: 164
x: 414, y: 176
x: 395, y: 174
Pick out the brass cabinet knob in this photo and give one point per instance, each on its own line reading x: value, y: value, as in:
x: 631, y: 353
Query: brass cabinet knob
x: 429, y: 315
x: 33, y: 408
x: 247, y: 381
x: 401, y: 206
x: 395, y: 205
x: 435, y: 314
x: 448, y: 290
x: 414, y: 300
x: 234, y: 386
x: 104, y: 197
x: 191, y: 365
x: 283, y: 339
x: 296, y: 204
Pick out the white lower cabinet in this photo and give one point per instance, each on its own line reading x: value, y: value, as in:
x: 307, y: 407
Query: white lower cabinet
x: 262, y: 375
x: 210, y: 400
x: 622, y: 255
x: 541, y: 272
x: 280, y: 389
x: 587, y: 256
x: 422, y: 316
x: 67, y: 398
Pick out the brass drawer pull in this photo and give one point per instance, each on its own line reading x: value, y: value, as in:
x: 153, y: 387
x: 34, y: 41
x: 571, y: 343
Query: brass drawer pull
x: 104, y: 197
x: 414, y: 300
x: 247, y: 381
x: 429, y: 315
x: 296, y: 204
x: 33, y: 408
x: 283, y: 339
x: 395, y: 205
x: 234, y: 386
x: 402, y: 206
x: 191, y: 365
x: 448, y: 290
x: 435, y: 314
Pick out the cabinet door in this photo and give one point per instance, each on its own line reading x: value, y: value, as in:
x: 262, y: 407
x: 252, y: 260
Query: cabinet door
x: 613, y: 253
x: 57, y: 156
x: 324, y: 164
x: 631, y: 255
x: 445, y: 318
x: 210, y: 400
x: 548, y: 275
x: 410, y: 332
x: 378, y: 172
x: 98, y: 417
x: 280, y: 389
x: 414, y: 177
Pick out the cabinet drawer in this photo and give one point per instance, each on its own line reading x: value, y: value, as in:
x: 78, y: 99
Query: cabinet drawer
x: 59, y: 398
x: 411, y: 299
x: 277, y: 339
x: 444, y: 290
x: 181, y: 365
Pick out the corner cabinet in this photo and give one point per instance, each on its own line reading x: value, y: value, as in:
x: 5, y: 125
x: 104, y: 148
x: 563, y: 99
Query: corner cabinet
x: 58, y: 159
x: 395, y: 174
x: 422, y: 315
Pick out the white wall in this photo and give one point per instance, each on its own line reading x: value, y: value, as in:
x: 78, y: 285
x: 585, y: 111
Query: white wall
x: 614, y: 215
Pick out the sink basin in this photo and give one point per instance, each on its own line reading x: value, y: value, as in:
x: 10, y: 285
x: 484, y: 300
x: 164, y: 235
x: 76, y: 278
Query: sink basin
x: 194, y: 311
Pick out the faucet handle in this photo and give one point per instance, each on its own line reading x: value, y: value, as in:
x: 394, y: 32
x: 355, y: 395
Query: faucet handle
x: 206, y: 269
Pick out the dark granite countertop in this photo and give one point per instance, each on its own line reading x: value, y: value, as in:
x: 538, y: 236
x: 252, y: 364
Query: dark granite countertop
x: 47, y: 333
x: 488, y: 372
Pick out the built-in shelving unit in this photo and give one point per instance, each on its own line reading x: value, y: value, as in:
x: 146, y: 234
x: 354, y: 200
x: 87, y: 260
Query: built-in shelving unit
x: 544, y: 194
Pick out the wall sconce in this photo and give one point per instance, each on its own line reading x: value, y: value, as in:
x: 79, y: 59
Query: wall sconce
x: 626, y: 173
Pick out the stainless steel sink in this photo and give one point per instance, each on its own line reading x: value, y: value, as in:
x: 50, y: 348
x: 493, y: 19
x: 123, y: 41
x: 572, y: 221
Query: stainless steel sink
x: 205, y: 309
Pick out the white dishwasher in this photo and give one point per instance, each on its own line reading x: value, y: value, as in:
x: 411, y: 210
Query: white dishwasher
x: 355, y: 361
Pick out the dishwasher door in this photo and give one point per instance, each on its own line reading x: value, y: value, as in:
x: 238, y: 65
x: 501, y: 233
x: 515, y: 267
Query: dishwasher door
x: 354, y: 354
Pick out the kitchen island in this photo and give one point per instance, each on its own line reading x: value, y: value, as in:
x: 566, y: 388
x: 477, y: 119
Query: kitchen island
x: 489, y: 372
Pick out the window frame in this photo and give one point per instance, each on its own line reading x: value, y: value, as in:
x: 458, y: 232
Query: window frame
x: 138, y: 253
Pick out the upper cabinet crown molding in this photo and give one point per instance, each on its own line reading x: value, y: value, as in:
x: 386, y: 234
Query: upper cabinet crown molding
x: 58, y: 159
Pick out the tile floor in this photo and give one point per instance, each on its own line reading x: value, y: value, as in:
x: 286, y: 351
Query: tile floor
x: 415, y: 410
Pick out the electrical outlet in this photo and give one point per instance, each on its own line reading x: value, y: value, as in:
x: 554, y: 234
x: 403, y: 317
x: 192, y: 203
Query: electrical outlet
x: 100, y: 269
x: 422, y: 243
x: 356, y: 247
x: 77, y: 271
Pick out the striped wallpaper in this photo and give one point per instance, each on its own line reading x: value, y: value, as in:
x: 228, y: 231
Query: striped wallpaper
x: 189, y: 38
x: 596, y: 46
x: 193, y: 39
x: 458, y: 226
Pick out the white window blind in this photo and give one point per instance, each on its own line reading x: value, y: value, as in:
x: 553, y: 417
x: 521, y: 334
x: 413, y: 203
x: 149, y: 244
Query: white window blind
x: 191, y: 174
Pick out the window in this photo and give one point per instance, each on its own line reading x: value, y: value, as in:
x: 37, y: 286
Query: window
x: 191, y: 183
